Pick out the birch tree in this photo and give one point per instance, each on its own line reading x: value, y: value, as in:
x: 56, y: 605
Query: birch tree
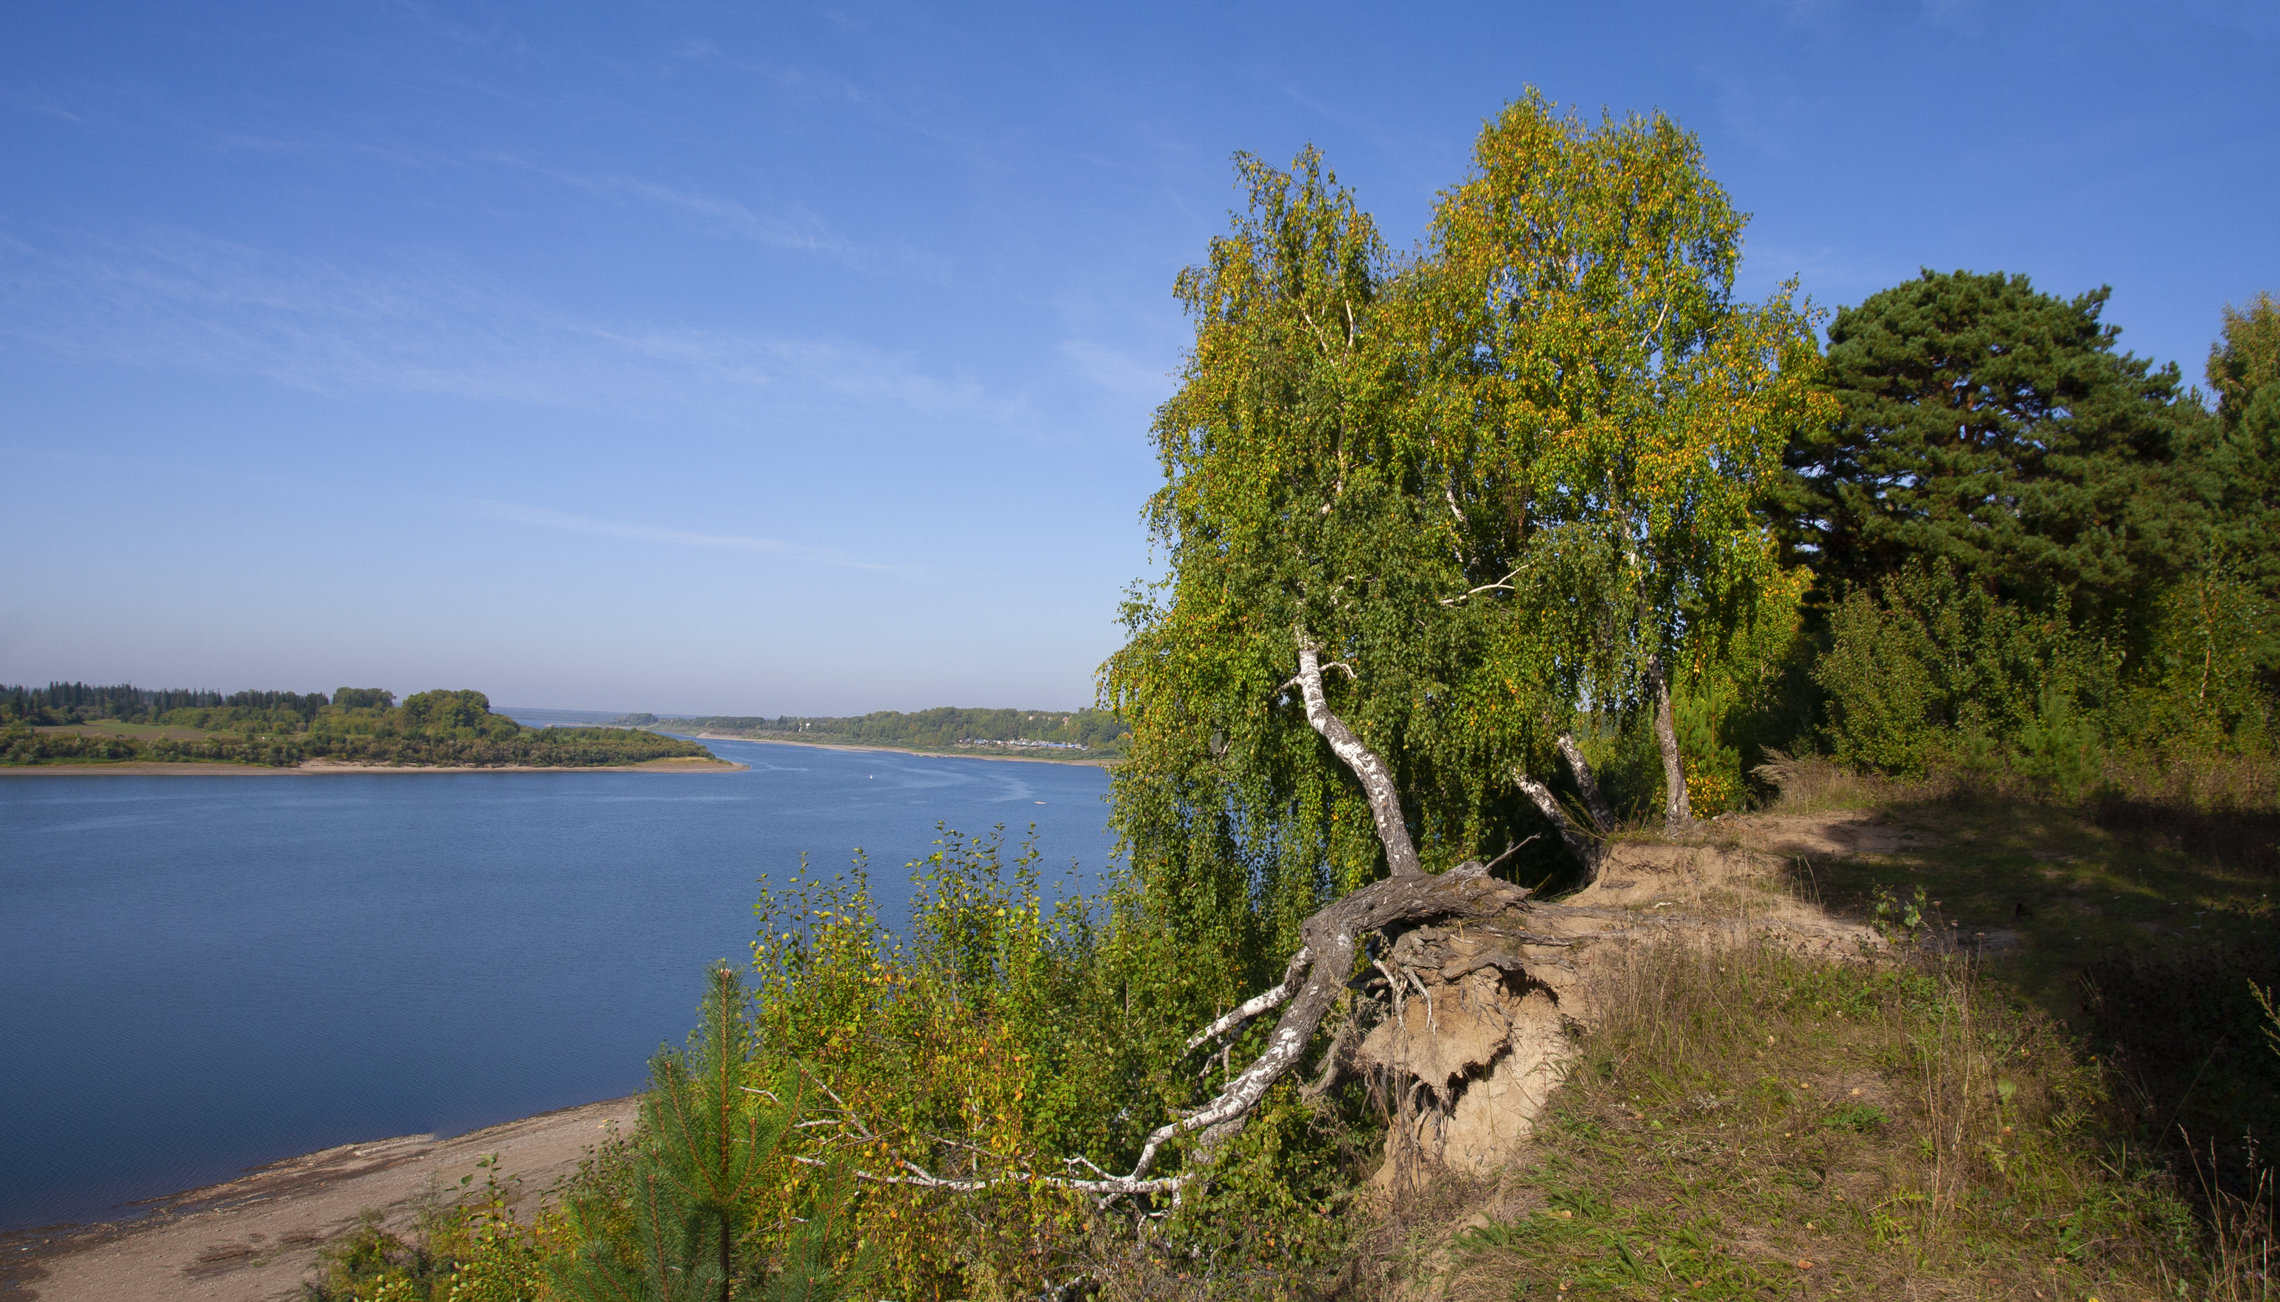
x: 1495, y: 487
x: 1425, y: 519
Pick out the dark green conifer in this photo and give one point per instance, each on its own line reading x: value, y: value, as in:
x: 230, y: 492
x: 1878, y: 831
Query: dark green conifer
x: 1997, y: 428
x: 679, y: 1225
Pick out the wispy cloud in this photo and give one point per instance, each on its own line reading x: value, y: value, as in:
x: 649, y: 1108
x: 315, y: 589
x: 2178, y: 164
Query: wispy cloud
x: 866, y: 375
x: 34, y: 101
x: 796, y: 230
x: 1120, y: 373
x: 198, y: 303
x: 806, y: 232
x: 539, y: 517
x: 206, y: 304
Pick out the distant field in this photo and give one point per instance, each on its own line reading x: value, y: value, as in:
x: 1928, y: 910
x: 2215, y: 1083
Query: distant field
x: 131, y: 731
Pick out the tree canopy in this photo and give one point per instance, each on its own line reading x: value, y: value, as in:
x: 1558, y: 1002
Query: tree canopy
x: 1997, y: 428
x: 1486, y: 486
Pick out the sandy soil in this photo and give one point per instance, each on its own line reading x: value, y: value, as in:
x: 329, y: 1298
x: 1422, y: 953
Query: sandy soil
x: 306, y: 768
x: 256, y: 1238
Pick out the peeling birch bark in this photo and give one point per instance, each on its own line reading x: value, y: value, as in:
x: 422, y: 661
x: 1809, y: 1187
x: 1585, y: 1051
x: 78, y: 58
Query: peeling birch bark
x: 1376, y: 778
x: 1256, y: 1004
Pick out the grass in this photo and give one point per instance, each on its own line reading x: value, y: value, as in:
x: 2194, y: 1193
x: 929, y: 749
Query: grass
x: 1747, y: 1124
x: 2144, y: 924
x: 2060, y: 1088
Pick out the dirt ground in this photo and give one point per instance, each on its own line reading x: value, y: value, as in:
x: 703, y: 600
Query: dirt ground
x: 256, y: 1238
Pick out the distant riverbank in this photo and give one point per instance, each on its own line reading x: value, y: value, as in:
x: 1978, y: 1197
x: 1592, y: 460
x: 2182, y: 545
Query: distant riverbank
x: 313, y: 767
x: 968, y: 753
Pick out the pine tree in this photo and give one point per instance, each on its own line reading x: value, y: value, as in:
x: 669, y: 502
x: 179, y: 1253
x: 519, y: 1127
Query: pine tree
x: 678, y: 1231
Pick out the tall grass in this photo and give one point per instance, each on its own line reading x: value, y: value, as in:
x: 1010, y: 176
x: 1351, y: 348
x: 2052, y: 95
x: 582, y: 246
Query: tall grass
x: 1749, y: 1123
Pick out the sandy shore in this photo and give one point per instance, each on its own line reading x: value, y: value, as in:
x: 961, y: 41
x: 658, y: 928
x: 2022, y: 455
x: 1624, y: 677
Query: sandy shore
x: 306, y: 768
x: 256, y: 1238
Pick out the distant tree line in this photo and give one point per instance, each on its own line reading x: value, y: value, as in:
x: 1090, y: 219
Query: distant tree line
x: 1093, y: 731
x: 69, y: 703
x: 64, y: 722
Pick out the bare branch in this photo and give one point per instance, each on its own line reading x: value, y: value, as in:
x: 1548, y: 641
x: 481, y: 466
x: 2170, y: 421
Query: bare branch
x: 1504, y: 584
x: 1656, y: 328
x: 1109, y: 1186
x: 1274, y: 997
x: 1376, y: 779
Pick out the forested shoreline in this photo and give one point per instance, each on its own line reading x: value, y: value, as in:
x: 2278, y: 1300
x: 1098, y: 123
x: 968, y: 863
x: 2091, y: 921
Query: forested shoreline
x: 76, y: 723
x: 1088, y: 733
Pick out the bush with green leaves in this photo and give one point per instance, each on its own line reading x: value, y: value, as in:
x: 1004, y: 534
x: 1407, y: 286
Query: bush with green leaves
x: 1005, y: 1047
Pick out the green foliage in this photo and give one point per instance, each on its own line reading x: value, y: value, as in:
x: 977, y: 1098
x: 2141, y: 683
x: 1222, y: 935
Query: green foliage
x: 699, y: 1203
x: 472, y: 1250
x: 2242, y: 468
x: 2036, y: 552
x: 1005, y: 1042
x: 1930, y: 670
x: 1996, y: 429
x: 984, y: 1048
x: 684, y: 1218
x: 72, y: 722
x: 1940, y: 672
x: 1490, y: 484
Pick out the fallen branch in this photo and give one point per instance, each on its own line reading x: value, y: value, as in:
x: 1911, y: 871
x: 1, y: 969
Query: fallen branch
x: 1255, y: 1005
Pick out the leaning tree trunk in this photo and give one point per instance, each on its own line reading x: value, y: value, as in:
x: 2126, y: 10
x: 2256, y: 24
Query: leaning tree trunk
x: 1678, y: 815
x: 1581, y: 846
x: 1594, y: 804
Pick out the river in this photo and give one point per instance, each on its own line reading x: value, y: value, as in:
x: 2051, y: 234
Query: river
x: 203, y: 974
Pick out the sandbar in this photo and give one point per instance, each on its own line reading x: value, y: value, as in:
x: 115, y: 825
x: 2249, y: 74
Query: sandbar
x: 256, y: 1238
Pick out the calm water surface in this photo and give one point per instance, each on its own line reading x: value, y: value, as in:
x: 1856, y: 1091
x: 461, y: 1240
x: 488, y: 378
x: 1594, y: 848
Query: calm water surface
x: 198, y: 975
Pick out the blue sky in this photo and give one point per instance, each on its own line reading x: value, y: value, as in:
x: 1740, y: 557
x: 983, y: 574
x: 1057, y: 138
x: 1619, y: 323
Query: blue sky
x: 779, y: 359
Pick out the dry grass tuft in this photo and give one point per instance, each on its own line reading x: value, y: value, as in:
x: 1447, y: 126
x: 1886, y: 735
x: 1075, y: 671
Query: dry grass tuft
x: 1816, y: 782
x: 1748, y: 1123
